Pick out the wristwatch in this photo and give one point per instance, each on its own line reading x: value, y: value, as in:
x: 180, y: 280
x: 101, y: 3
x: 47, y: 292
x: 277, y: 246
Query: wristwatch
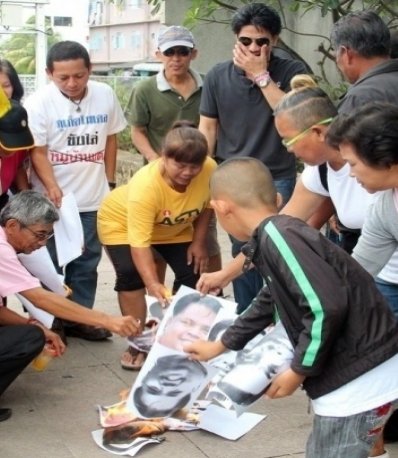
x: 262, y: 80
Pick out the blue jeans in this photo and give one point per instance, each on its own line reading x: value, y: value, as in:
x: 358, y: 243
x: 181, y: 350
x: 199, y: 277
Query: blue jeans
x: 81, y: 273
x: 347, y: 437
x: 390, y: 293
x: 247, y: 285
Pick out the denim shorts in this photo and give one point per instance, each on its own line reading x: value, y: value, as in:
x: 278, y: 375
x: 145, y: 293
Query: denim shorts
x: 348, y: 437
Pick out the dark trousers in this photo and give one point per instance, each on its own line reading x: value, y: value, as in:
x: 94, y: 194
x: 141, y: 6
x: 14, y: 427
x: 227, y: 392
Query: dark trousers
x: 19, y: 345
x: 81, y: 273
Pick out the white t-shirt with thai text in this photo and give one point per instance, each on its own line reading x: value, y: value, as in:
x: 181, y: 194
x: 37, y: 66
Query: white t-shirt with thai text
x: 75, y: 136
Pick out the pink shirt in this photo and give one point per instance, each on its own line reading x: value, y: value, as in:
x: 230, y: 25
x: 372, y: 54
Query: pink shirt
x: 14, y: 278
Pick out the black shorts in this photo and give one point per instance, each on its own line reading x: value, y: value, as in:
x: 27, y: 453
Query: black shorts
x: 174, y: 254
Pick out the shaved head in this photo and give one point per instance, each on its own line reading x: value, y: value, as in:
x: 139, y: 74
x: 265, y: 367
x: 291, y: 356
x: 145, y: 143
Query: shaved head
x: 245, y: 181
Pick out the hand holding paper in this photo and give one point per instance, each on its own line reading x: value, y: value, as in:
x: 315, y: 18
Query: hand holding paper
x: 125, y: 326
x: 284, y: 384
x: 203, y: 350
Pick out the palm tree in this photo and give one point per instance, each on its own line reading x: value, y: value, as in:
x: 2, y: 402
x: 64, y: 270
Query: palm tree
x: 20, y: 48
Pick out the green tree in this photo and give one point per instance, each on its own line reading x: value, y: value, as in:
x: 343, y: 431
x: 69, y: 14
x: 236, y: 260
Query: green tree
x: 219, y: 11
x: 20, y: 48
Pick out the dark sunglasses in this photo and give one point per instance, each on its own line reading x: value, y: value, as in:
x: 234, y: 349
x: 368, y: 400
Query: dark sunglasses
x: 246, y: 41
x: 180, y: 51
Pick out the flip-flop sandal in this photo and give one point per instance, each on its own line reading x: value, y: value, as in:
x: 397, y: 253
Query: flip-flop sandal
x: 134, y: 354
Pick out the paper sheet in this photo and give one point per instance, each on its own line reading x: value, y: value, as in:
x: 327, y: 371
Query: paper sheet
x: 39, y: 264
x: 130, y: 449
x: 68, y: 231
x: 224, y: 422
x: 40, y: 315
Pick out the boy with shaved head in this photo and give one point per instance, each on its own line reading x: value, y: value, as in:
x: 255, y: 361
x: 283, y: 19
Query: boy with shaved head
x: 343, y: 332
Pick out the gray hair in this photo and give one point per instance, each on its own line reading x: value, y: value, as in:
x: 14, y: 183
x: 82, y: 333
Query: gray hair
x: 29, y: 207
x: 364, y: 32
x: 306, y: 106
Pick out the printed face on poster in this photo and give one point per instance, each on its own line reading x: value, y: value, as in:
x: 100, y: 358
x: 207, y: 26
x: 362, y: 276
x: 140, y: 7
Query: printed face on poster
x: 169, y: 380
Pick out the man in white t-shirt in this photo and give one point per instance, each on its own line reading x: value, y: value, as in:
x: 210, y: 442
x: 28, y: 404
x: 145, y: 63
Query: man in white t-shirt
x: 74, y: 122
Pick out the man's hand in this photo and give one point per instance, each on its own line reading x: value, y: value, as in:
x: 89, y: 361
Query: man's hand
x: 284, y: 384
x: 203, y: 350
x: 212, y: 283
x: 197, y: 254
x: 253, y: 65
x: 54, y: 340
x: 125, y: 326
x: 54, y: 193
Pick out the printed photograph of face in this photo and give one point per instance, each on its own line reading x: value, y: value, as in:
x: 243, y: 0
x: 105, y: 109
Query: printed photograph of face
x: 168, y: 386
x: 263, y: 362
x: 192, y: 318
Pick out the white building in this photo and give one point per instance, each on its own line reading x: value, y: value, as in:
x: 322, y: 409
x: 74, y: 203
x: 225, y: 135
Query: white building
x: 69, y: 18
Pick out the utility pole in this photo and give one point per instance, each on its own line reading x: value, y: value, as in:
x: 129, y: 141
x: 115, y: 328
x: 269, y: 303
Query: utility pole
x: 12, y: 20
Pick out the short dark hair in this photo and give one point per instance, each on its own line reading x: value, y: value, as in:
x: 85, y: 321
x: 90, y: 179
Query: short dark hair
x: 259, y: 15
x: 364, y: 32
x: 67, y: 50
x: 8, y: 69
x: 218, y: 329
x: 394, y: 44
x: 372, y: 130
x: 184, y: 143
x: 195, y: 298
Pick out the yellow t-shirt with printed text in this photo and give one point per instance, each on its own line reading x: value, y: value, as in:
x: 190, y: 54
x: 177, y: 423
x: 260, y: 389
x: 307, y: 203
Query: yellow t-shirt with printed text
x: 147, y: 211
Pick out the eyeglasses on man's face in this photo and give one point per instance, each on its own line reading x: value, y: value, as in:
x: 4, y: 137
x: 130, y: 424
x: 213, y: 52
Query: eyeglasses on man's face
x: 246, y: 41
x: 41, y: 236
x: 289, y: 142
x: 177, y: 50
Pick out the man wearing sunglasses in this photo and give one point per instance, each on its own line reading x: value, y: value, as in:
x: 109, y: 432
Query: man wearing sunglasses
x: 174, y: 93
x: 236, y: 111
x: 157, y: 102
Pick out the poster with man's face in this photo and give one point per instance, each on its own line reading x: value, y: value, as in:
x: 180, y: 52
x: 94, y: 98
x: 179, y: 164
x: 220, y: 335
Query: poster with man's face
x: 169, y: 380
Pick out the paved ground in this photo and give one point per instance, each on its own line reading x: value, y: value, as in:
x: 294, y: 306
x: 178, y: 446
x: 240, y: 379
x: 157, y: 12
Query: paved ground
x: 54, y: 411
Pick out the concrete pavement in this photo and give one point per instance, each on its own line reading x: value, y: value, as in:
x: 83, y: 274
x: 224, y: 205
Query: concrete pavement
x: 54, y: 411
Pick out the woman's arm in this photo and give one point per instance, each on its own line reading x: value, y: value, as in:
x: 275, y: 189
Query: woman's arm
x: 146, y: 266
x: 197, y: 252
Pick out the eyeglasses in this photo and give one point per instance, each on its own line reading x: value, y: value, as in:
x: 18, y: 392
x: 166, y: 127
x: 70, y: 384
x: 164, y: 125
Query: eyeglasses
x: 246, y: 41
x: 292, y: 141
x: 39, y: 235
x: 180, y: 51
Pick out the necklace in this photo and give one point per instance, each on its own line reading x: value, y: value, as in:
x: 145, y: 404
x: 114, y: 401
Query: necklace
x: 76, y: 103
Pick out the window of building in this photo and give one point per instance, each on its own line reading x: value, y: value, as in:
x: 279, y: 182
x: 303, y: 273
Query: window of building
x: 136, y: 40
x: 95, y: 42
x: 118, y: 41
x: 63, y: 21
